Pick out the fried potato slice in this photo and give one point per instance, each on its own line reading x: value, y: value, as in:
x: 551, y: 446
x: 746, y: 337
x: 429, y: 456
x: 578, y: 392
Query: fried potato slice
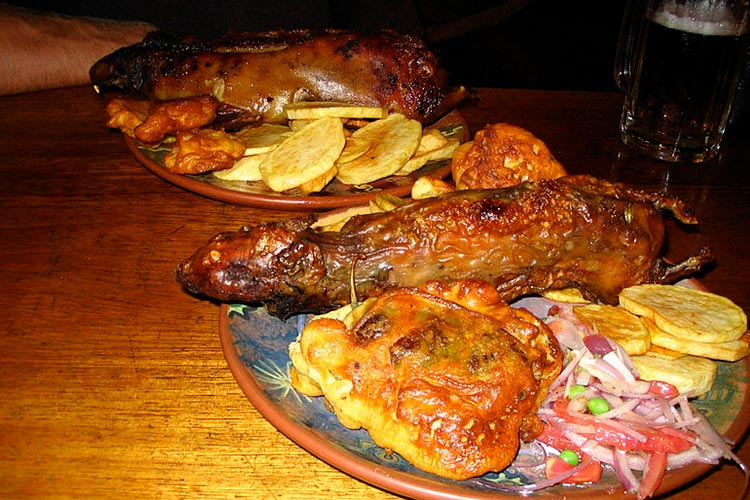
x: 353, y: 149
x: 687, y: 313
x: 262, y: 138
x: 297, y: 125
x: 384, y: 202
x: 307, y: 110
x: 392, y: 141
x: 244, y: 169
x: 420, y: 159
x: 568, y: 295
x: 335, y: 219
x: 618, y: 324
x: 318, y: 183
x: 663, y: 352
x: 429, y: 187
x: 432, y: 140
x: 731, y: 350
x: 304, y: 156
x: 688, y: 373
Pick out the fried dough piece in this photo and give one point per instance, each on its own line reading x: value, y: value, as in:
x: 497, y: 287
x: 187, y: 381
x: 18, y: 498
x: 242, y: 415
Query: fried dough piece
x: 448, y: 376
x: 127, y: 114
x: 203, y: 150
x: 150, y: 122
x: 503, y: 155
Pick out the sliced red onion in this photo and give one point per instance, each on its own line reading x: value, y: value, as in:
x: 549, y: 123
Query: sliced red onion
x: 624, y: 472
x: 687, y: 410
x: 598, y: 344
x: 603, y: 371
x: 584, y: 378
x: 635, y: 418
x: 619, y: 410
x: 687, y: 457
x: 530, y: 455
x: 567, y: 371
x: 538, y: 306
x: 686, y: 424
x: 603, y: 453
x: 566, y: 333
x: 616, y: 362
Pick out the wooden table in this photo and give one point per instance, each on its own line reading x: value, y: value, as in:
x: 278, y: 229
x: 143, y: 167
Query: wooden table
x: 113, y: 383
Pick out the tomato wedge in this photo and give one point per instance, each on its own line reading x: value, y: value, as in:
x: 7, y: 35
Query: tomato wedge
x: 665, y: 439
x: 590, y: 472
x: 652, y: 475
x: 552, y: 436
x: 663, y: 389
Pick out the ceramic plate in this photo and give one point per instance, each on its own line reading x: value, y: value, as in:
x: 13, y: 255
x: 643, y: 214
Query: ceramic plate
x: 255, y: 346
x: 335, y: 195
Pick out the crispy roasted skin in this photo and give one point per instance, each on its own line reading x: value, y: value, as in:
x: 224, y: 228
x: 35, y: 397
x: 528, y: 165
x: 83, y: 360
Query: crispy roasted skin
x: 447, y: 375
x: 260, y: 73
x: 575, y: 231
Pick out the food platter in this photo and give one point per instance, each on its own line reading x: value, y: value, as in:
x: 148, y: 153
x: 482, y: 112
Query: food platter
x: 255, y: 347
x: 335, y: 195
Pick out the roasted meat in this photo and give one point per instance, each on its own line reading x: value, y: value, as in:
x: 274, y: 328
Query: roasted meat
x: 574, y: 231
x: 448, y: 376
x: 260, y: 73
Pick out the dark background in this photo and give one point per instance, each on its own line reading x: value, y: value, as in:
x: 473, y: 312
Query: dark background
x: 546, y: 44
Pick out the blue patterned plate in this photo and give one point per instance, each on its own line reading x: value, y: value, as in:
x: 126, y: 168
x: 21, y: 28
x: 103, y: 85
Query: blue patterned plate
x: 256, y: 344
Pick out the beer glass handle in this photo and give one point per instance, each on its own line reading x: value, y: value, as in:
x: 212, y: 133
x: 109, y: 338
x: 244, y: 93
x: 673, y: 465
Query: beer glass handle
x: 628, y: 42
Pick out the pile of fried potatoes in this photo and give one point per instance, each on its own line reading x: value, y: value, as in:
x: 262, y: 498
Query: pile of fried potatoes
x: 355, y: 144
x: 672, y: 333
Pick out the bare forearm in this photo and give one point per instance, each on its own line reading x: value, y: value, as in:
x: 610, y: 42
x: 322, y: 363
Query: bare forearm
x: 39, y: 51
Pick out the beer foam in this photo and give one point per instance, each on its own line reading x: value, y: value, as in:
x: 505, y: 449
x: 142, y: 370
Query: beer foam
x: 701, y: 18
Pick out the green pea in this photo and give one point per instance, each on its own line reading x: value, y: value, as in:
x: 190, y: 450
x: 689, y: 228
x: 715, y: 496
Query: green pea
x: 597, y: 406
x: 570, y: 457
x: 576, y: 390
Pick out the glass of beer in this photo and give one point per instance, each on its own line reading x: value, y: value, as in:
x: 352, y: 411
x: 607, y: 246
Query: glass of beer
x: 678, y: 62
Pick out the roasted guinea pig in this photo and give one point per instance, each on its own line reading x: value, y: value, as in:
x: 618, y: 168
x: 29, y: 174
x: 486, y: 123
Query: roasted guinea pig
x: 260, y: 73
x: 448, y: 375
x: 575, y: 231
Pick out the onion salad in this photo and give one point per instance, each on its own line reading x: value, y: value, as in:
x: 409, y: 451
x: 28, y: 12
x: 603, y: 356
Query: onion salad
x: 600, y: 413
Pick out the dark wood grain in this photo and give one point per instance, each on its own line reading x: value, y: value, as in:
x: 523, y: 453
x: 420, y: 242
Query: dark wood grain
x: 112, y: 379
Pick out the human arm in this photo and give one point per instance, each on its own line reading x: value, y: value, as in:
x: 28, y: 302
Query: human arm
x: 45, y: 50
